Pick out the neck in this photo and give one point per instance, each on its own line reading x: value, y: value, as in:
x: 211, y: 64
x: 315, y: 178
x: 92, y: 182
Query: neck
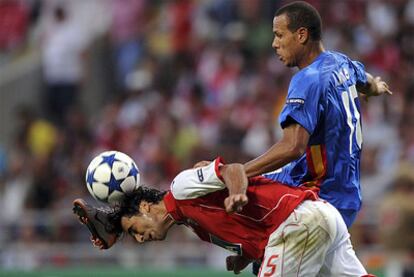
x: 167, y: 221
x: 311, y: 52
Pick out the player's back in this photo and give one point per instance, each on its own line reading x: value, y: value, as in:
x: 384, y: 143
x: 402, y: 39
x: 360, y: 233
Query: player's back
x: 323, y: 99
x: 340, y: 132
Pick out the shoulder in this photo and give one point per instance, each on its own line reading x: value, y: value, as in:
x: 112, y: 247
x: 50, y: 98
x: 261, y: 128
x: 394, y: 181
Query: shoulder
x: 183, y: 184
x: 338, y: 66
x: 197, y: 182
x: 316, y: 72
x: 335, y: 60
x: 334, y: 57
x: 320, y: 74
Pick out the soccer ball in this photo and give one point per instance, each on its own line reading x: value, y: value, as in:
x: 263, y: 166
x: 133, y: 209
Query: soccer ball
x: 111, y: 175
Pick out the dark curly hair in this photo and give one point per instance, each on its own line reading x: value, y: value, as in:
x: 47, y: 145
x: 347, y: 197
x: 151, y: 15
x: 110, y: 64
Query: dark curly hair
x: 130, y: 206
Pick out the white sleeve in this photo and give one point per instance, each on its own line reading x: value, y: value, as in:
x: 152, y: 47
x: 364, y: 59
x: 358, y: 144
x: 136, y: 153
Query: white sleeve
x: 196, y: 182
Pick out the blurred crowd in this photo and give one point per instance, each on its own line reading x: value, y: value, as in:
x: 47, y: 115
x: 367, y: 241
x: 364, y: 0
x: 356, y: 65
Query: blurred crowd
x: 191, y: 80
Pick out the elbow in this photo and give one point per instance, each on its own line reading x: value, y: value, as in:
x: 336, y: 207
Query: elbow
x: 295, y: 141
x: 296, y: 144
x: 296, y: 151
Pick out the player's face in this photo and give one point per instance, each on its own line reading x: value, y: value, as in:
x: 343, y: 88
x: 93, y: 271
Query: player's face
x: 286, y: 43
x: 146, y: 226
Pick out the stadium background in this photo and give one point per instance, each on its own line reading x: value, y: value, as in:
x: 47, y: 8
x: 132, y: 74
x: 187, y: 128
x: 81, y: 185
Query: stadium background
x: 171, y: 83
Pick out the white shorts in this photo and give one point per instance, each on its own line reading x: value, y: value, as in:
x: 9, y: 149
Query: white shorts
x: 312, y: 241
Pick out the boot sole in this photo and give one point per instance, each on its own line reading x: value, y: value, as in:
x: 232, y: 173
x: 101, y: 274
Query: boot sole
x: 79, y: 208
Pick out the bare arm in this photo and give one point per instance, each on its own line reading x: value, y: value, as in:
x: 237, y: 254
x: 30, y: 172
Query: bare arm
x: 236, y: 182
x: 373, y: 87
x: 290, y: 147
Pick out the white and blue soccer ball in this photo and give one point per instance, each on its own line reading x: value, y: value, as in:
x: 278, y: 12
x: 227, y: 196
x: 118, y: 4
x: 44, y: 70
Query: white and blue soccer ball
x: 111, y: 175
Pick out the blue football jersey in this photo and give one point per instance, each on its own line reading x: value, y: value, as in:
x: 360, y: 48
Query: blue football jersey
x: 323, y: 99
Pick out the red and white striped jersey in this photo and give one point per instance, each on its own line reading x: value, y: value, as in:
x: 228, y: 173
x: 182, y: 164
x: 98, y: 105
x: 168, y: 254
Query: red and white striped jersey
x: 196, y: 199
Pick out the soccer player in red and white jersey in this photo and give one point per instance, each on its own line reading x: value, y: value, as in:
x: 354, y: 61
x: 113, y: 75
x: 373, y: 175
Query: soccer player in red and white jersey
x: 289, y: 229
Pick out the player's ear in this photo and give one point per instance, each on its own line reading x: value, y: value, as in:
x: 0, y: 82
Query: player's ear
x: 144, y: 207
x: 302, y: 34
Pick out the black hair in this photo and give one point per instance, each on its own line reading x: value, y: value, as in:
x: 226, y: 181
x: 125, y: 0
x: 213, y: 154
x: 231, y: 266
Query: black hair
x: 302, y: 14
x: 130, y: 206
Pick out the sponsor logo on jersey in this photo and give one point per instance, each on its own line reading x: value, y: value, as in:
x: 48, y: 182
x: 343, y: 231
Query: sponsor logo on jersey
x: 295, y: 101
x: 200, y: 175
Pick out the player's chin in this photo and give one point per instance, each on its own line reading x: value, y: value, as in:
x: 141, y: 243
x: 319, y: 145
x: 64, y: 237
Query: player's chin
x: 289, y: 64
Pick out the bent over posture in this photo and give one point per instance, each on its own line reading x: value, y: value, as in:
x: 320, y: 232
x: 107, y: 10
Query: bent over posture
x: 289, y: 229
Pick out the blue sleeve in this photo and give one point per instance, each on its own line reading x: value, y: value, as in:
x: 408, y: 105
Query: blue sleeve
x: 359, y: 69
x: 302, y: 104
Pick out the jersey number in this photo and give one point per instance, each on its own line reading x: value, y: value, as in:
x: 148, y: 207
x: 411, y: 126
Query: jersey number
x: 348, y: 99
x: 271, y: 265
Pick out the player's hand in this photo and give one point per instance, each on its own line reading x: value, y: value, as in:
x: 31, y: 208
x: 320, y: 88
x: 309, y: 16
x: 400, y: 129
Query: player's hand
x: 97, y: 242
x: 236, y: 263
x: 235, y: 202
x: 201, y: 163
x: 380, y: 88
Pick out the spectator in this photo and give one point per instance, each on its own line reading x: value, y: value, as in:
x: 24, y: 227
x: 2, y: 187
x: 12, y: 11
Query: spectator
x: 63, y: 54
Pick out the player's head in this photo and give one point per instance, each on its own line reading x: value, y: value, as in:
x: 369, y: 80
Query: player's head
x: 141, y: 217
x: 295, y: 26
x: 60, y: 13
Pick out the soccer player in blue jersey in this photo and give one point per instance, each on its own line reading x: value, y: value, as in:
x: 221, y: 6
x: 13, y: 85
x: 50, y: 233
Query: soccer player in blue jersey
x: 321, y: 120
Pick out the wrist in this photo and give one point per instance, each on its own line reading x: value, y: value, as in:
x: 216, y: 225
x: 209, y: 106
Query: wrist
x: 373, y: 90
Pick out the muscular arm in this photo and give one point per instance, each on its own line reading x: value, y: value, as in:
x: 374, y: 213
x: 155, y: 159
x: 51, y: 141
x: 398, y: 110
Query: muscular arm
x: 290, y: 147
x: 235, y: 178
x: 236, y: 182
x: 373, y: 86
